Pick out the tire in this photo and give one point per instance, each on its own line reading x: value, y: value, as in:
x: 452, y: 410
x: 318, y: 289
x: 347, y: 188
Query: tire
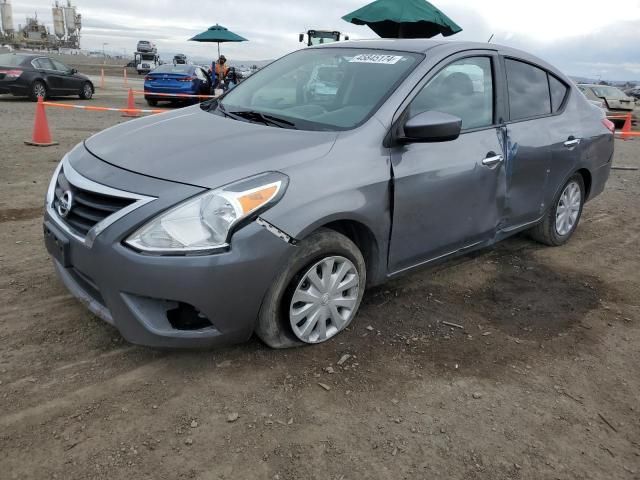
x: 551, y: 230
x: 274, y: 326
x: 37, y: 89
x: 87, y: 91
x: 152, y: 102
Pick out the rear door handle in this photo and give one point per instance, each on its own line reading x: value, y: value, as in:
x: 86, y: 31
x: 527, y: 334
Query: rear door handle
x: 572, y: 142
x: 492, y: 160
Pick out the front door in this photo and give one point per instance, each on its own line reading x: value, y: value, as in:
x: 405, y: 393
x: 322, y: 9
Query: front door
x: 70, y: 84
x: 449, y: 195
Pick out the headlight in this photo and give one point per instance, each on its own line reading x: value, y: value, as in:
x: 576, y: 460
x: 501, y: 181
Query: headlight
x: 205, y: 223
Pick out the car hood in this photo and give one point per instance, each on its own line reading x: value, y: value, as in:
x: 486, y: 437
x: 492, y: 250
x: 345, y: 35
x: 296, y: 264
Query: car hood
x: 207, y: 150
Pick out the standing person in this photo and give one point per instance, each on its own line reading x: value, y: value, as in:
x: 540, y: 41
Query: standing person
x: 219, y: 71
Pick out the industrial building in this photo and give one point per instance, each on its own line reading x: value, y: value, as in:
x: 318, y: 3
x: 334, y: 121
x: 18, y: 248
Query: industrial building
x: 67, y: 24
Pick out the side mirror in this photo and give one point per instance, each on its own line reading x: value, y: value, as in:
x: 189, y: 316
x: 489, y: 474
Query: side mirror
x: 431, y: 127
x: 301, y: 37
x: 73, y: 71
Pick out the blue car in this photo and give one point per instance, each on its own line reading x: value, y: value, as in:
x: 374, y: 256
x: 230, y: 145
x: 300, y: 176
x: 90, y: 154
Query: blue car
x: 176, y: 79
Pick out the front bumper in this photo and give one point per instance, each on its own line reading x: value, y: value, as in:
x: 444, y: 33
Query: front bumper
x: 146, y: 297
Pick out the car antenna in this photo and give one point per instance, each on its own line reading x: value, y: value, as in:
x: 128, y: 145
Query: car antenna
x: 490, y: 38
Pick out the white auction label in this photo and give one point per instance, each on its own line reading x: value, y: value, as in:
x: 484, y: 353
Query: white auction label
x: 376, y: 58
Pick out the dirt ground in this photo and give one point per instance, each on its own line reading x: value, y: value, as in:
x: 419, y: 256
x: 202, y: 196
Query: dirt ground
x: 542, y: 382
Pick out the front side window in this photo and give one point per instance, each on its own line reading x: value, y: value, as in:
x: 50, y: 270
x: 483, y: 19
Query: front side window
x: 528, y: 90
x: 464, y: 89
x: 61, y: 67
x: 324, y: 88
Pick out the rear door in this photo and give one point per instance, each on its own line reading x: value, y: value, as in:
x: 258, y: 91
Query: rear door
x: 529, y: 142
x: 449, y: 195
x: 205, y: 84
x: 54, y: 80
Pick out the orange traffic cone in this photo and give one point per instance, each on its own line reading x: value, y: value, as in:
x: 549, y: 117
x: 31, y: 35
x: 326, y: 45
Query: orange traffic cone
x: 131, y: 106
x: 626, y: 128
x: 126, y: 82
x: 41, y: 136
x: 102, y: 78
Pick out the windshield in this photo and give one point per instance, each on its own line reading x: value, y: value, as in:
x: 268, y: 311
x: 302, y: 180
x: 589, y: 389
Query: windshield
x: 11, y: 59
x: 609, y: 92
x: 319, y: 38
x: 322, y: 89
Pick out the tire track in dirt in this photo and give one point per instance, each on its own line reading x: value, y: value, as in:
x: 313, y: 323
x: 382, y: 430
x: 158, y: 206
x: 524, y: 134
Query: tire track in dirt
x: 17, y: 214
x: 90, y: 393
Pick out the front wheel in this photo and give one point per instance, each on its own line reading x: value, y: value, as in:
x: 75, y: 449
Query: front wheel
x: 559, y: 223
x: 152, y: 102
x: 87, y: 91
x: 316, y: 295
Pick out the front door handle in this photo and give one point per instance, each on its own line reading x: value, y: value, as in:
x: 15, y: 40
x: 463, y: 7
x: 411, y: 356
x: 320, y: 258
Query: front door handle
x: 492, y: 160
x: 572, y: 142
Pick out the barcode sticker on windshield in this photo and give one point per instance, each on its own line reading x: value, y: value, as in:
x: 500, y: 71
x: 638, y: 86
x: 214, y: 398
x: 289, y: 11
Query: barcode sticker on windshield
x: 376, y: 58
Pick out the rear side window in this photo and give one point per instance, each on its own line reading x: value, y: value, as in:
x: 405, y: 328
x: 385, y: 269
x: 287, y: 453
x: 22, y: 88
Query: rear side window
x: 528, y: 90
x: 558, y: 93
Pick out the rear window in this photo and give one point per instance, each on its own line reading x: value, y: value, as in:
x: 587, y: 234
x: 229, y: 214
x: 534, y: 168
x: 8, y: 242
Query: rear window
x: 558, y: 92
x: 609, y: 92
x: 11, y: 60
x: 528, y: 90
x: 173, y: 69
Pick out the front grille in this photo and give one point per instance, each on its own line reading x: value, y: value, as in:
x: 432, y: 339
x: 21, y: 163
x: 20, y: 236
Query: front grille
x: 88, y: 208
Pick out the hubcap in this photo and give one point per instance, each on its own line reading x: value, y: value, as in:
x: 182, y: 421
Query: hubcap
x: 568, y: 208
x: 87, y: 91
x: 325, y: 300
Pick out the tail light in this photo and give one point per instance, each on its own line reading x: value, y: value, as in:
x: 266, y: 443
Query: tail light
x: 609, y: 125
x: 187, y: 79
x: 148, y: 77
x: 11, y: 74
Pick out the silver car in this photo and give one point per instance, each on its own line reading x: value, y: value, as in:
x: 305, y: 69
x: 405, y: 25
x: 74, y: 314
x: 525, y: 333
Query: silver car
x: 272, y: 208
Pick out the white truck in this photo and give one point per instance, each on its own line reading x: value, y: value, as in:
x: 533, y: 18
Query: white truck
x: 146, y: 61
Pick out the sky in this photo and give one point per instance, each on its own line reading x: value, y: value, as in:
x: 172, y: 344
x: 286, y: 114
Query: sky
x: 594, y: 39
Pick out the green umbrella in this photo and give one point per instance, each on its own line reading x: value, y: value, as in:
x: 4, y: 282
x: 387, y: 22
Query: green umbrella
x: 218, y: 34
x: 403, y: 19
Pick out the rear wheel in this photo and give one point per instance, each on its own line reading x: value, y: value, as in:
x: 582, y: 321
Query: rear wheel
x: 152, y: 102
x: 38, y: 89
x: 559, y: 223
x: 87, y: 91
x: 317, y: 294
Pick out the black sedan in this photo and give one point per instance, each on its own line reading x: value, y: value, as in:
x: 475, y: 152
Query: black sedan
x: 33, y: 76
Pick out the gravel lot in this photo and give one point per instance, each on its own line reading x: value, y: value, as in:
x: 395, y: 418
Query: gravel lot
x: 542, y: 382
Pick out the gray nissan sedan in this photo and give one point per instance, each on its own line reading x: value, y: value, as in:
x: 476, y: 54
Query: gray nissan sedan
x: 270, y: 209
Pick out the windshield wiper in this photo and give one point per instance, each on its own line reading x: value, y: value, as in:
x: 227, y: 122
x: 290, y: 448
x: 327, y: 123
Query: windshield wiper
x: 267, y: 119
